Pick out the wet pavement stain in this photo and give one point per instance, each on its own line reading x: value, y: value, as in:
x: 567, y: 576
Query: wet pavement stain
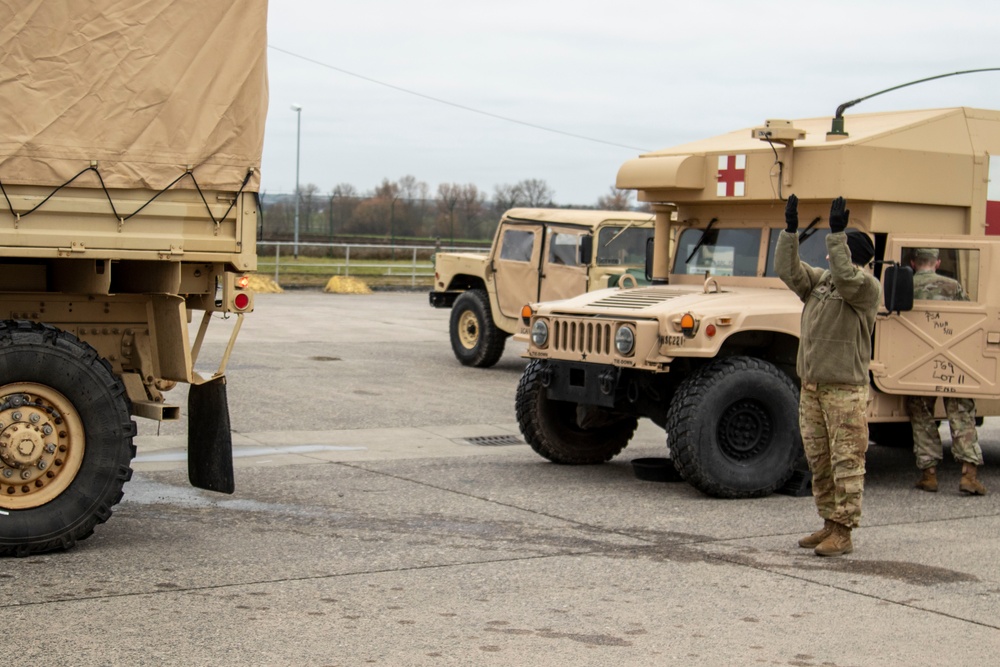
x: 547, y: 633
x: 910, y: 573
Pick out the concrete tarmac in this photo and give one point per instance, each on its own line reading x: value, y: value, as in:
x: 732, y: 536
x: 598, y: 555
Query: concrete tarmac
x: 386, y: 514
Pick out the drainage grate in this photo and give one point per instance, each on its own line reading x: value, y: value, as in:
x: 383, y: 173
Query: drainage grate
x: 494, y: 440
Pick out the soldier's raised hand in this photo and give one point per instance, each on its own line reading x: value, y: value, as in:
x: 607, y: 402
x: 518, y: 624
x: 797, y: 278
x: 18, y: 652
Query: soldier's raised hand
x: 792, y: 214
x: 839, y: 215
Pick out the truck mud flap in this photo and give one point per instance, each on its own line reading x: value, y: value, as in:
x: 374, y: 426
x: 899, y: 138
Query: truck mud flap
x: 210, y: 439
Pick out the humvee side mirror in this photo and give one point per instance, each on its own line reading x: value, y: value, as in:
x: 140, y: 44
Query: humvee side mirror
x: 586, y: 249
x: 897, y: 282
x: 649, y: 260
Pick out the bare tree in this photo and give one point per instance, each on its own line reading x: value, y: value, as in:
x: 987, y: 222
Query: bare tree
x: 307, y: 202
x: 472, y: 210
x: 449, y: 195
x: 536, y: 192
x: 343, y: 201
x: 387, y: 193
x: 411, y: 209
x: 411, y: 188
x: 615, y: 200
x: 507, y: 196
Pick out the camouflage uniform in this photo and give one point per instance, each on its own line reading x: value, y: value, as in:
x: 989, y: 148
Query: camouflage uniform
x: 838, y: 317
x: 961, y: 412
x: 835, y: 438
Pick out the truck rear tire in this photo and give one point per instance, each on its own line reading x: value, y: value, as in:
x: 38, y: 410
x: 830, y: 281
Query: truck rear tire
x: 65, y: 439
x: 552, y: 428
x: 733, y: 430
x: 475, y: 338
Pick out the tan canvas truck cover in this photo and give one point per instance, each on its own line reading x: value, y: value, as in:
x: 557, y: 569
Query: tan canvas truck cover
x: 145, y: 89
x: 130, y: 146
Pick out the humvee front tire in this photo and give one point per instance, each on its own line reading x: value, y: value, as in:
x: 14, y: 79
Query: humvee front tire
x: 552, y: 427
x: 475, y: 338
x: 65, y: 439
x: 733, y: 430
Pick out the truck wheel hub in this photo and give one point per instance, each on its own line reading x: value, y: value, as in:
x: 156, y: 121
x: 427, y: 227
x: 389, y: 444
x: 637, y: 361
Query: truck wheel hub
x: 20, y: 447
x: 41, y: 445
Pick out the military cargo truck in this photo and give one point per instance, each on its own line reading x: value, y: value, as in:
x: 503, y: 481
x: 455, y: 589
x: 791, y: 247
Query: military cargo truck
x: 708, y: 350
x: 537, y: 254
x: 130, y: 146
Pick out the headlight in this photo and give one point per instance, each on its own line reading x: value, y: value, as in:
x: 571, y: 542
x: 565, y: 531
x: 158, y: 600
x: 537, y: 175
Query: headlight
x: 540, y: 333
x: 624, y: 340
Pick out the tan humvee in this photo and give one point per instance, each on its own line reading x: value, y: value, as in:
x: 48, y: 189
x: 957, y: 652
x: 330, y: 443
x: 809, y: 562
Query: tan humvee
x: 708, y: 350
x: 537, y: 255
x: 129, y: 209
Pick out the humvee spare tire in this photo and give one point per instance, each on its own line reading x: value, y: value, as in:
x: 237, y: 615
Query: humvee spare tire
x: 733, y: 430
x: 65, y: 438
x: 475, y: 338
x: 553, y: 428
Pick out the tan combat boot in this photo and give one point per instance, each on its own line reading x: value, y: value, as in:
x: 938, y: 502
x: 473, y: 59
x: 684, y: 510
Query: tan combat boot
x: 969, y: 484
x: 928, y: 482
x: 837, y: 543
x: 811, y: 541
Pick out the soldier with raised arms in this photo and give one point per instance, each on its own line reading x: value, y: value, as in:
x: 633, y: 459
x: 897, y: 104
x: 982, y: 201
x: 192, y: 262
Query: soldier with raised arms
x: 838, y: 317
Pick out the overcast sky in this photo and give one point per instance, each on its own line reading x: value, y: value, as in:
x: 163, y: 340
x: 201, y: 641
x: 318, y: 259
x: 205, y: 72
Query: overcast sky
x: 628, y: 75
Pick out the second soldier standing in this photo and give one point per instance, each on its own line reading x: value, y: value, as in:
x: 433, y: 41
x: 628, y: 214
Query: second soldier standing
x: 928, y: 284
x: 838, y: 317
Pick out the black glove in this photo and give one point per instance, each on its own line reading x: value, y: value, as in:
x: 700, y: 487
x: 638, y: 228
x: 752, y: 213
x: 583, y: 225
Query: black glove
x: 839, y: 215
x: 792, y: 214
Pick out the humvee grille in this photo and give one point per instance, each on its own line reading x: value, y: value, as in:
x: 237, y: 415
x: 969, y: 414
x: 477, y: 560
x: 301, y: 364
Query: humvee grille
x: 584, y: 336
x: 636, y: 299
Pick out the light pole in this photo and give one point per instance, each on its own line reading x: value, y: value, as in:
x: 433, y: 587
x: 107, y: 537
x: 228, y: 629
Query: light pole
x: 297, y: 108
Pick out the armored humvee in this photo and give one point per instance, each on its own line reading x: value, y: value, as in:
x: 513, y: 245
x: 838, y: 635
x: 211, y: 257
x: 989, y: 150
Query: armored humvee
x: 129, y: 167
x: 537, y: 254
x: 708, y: 350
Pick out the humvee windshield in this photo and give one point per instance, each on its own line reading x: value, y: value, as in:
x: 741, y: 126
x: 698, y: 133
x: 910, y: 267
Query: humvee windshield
x: 735, y: 252
x: 616, y: 247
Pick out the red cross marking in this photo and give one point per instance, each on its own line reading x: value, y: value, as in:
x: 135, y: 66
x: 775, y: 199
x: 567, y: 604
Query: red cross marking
x: 730, y: 175
x: 993, y: 217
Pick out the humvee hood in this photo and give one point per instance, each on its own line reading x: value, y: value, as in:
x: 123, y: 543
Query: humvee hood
x: 669, y: 300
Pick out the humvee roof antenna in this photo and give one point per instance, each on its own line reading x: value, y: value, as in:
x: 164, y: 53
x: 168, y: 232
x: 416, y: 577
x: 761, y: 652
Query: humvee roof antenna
x: 837, y: 128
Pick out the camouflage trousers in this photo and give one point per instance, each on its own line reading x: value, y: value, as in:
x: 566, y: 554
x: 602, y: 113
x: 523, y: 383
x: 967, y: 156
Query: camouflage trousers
x: 834, y: 425
x: 926, y: 438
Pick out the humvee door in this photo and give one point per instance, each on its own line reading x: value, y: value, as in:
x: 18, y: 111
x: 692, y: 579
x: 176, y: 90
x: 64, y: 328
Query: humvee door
x: 564, y: 269
x: 942, y: 346
x: 516, y: 264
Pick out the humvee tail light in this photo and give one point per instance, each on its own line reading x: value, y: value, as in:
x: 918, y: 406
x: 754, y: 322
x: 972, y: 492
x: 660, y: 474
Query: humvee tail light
x: 540, y: 333
x: 243, y: 282
x: 688, y: 325
x: 241, y: 301
x: 526, y: 314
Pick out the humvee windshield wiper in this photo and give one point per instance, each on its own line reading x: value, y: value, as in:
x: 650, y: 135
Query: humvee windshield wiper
x: 701, y: 241
x: 622, y: 231
x: 806, y: 233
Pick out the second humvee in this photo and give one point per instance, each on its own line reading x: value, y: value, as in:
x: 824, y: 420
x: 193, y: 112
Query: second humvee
x: 537, y: 254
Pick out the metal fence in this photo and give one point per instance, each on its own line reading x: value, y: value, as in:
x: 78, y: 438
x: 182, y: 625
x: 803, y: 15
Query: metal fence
x: 412, y: 261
